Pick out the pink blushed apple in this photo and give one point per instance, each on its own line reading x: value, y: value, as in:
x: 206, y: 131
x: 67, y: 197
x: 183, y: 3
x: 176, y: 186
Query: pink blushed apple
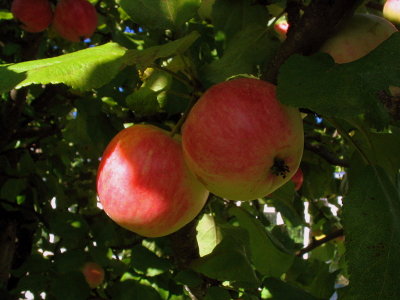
x: 144, y: 184
x: 358, y: 36
x: 240, y: 141
x: 391, y: 11
x: 298, y: 179
x: 93, y: 273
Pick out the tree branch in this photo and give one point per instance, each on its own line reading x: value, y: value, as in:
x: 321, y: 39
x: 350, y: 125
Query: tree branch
x: 316, y: 243
x: 374, y: 5
x: 8, y: 234
x: 186, y: 250
x: 306, y: 36
x: 326, y: 154
x: 391, y: 103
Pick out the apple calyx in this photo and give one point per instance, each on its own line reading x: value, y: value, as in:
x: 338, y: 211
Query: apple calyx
x: 280, y: 168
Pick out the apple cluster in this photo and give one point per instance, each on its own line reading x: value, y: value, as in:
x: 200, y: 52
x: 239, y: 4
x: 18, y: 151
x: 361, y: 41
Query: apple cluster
x: 71, y: 19
x: 238, y: 142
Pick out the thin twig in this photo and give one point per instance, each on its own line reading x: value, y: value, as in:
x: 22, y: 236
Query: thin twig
x: 326, y: 154
x: 179, y: 124
x: 316, y: 243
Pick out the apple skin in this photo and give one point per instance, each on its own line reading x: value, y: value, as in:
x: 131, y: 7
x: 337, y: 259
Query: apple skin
x: 35, y: 15
x: 144, y: 184
x: 391, y: 11
x: 298, y: 179
x: 281, y: 28
x: 357, y: 37
x: 93, y: 273
x: 75, y: 19
x: 234, y: 134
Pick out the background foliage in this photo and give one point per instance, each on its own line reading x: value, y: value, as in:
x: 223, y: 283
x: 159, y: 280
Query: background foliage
x: 148, y: 61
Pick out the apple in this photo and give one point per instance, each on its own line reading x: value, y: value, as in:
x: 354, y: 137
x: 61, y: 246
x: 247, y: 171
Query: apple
x: 75, y: 19
x: 144, y: 184
x: 35, y: 15
x: 93, y: 273
x: 357, y: 37
x: 298, y: 179
x: 281, y: 28
x: 391, y: 10
x: 240, y: 141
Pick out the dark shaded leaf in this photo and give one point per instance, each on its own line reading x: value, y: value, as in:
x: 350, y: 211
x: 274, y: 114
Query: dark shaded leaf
x: 342, y: 90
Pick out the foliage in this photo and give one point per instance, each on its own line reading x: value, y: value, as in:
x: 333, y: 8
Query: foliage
x: 148, y: 62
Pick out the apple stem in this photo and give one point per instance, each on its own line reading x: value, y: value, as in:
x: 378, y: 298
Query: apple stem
x: 279, y: 168
x: 179, y: 124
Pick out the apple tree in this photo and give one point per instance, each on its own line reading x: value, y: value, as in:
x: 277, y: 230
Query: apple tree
x: 75, y: 73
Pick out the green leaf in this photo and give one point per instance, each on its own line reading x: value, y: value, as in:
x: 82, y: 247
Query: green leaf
x: 208, y: 234
x: 231, y: 17
x: 160, y: 14
x: 131, y: 290
x: 284, y: 291
x: 381, y: 148
x: 9, y: 78
x: 217, y: 293
x: 70, y: 286
x: 189, y: 278
x: 91, y: 130
x: 372, y: 226
x: 5, y: 15
x: 313, y: 276
x: 319, y: 176
x: 250, y: 47
x: 148, y: 262
x: 323, y: 283
x: 144, y: 102
x: 268, y: 259
x: 228, y: 261
x: 283, y: 201
x: 12, y: 188
x: 71, y: 227
x: 342, y: 90
x: 70, y: 261
x: 83, y: 70
x: 145, y: 58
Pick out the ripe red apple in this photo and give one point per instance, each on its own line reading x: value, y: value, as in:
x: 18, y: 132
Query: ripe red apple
x: 391, y: 10
x: 298, y: 179
x: 144, y: 184
x: 357, y: 37
x: 75, y: 19
x: 35, y: 15
x: 94, y: 274
x: 240, y: 141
